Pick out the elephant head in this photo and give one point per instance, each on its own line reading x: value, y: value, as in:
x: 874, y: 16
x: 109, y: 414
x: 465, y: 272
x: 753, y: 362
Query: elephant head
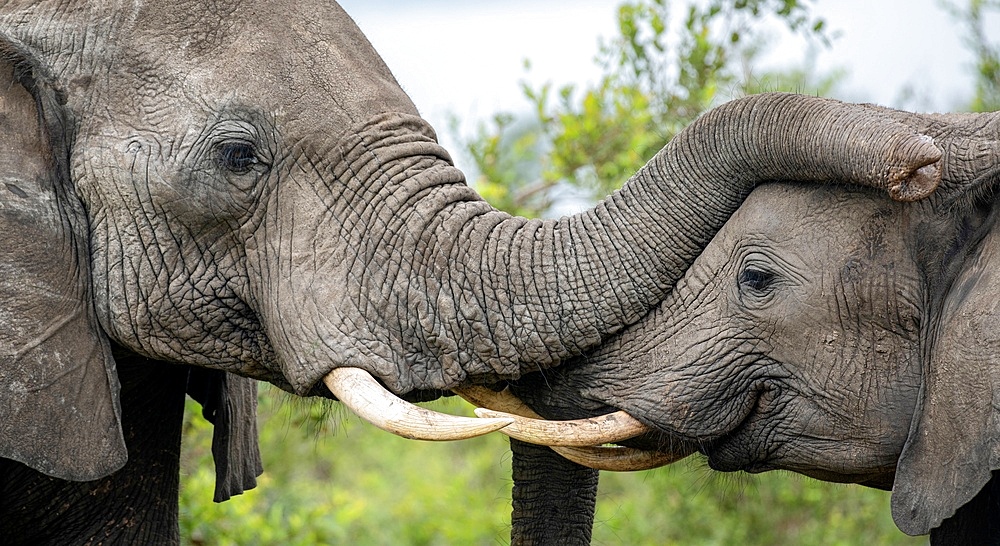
x: 831, y: 333
x: 244, y: 187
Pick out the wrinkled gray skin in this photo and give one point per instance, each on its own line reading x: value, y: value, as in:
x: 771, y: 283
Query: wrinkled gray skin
x: 198, y: 193
x: 835, y: 334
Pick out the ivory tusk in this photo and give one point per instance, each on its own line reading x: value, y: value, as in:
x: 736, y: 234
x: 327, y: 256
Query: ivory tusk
x: 605, y: 429
x: 360, y: 392
x: 504, y: 400
x: 614, y: 459
x: 618, y: 459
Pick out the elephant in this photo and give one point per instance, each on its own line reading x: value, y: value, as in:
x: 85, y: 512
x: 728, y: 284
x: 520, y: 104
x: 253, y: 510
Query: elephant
x: 201, y: 195
x: 831, y: 333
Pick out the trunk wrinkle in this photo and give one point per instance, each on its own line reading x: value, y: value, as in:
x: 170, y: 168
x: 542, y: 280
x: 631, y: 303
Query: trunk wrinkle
x: 421, y: 299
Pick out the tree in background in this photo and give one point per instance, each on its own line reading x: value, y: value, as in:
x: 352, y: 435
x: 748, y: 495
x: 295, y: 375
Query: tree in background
x: 972, y: 16
x: 659, y: 74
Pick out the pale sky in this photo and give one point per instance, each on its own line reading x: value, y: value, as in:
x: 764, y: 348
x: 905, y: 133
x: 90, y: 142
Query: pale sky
x: 465, y: 57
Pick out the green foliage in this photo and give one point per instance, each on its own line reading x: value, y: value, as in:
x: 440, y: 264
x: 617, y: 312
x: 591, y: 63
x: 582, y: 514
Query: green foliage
x: 500, y: 156
x: 330, y: 479
x: 687, y: 503
x: 589, y: 139
x: 972, y: 16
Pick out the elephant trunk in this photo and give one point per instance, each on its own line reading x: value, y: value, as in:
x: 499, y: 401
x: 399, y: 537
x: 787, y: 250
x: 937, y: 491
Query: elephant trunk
x: 553, y: 499
x: 425, y: 284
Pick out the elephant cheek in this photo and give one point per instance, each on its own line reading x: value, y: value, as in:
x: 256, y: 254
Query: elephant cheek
x: 694, y: 402
x: 312, y: 331
x: 321, y: 310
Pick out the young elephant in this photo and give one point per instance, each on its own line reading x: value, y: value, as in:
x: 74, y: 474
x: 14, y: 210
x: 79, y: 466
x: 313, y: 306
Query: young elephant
x: 835, y: 334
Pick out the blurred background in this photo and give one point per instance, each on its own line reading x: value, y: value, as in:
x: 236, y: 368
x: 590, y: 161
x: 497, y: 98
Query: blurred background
x: 547, y: 107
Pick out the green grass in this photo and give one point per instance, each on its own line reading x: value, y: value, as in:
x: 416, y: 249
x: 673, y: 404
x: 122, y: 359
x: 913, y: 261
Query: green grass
x: 331, y: 479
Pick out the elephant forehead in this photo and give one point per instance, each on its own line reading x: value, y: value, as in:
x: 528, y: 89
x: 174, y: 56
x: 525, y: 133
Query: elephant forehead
x: 199, y: 27
x: 817, y: 219
x: 285, y: 58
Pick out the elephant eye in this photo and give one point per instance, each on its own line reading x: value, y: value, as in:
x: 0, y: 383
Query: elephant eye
x: 756, y: 280
x: 237, y: 157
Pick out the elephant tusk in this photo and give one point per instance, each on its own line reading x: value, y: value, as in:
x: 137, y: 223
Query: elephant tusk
x: 360, y: 392
x: 618, y: 459
x: 614, y: 459
x: 504, y: 400
x: 533, y: 428
x: 613, y: 427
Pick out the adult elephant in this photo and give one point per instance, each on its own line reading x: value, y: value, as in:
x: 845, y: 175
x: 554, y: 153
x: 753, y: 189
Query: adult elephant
x: 198, y: 193
x: 835, y: 334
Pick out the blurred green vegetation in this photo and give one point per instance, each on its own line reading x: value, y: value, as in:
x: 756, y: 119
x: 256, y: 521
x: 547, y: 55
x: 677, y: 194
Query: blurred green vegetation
x: 972, y: 15
x: 330, y: 479
x: 669, y: 63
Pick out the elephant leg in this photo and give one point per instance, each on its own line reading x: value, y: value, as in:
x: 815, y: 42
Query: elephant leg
x: 135, y: 505
x: 553, y: 499
x: 976, y: 522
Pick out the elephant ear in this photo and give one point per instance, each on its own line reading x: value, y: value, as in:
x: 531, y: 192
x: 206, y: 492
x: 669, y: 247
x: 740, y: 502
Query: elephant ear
x: 59, y: 406
x: 229, y: 402
x: 954, y: 440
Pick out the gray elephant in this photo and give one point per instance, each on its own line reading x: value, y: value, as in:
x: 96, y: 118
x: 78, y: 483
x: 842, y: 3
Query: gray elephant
x: 197, y: 195
x: 835, y: 334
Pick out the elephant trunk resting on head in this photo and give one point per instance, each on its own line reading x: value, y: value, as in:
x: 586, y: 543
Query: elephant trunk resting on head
x: 833, y: 333
x: 193, y: 197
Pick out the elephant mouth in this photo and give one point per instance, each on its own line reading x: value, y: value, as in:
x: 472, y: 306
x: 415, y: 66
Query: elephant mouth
x: 751, y: 448
x: 731, y: 453
x: 739, y: 448
x: 732, y: 462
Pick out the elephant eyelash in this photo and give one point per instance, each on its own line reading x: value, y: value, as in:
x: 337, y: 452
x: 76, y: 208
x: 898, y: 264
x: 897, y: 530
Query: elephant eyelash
x: 756, y: 280
x: 238, y: 157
